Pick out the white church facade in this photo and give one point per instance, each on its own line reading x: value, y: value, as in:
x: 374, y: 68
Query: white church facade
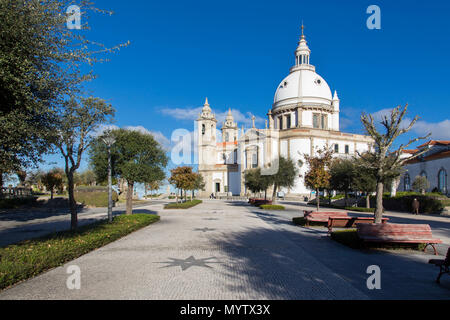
x: 304, y: 118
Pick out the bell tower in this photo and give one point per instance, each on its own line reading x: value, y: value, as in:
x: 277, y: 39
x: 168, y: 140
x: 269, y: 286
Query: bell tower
x: 229, y: 129
x: 207, y: 142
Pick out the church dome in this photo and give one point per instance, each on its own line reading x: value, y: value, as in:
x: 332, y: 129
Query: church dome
x: 303, y: 85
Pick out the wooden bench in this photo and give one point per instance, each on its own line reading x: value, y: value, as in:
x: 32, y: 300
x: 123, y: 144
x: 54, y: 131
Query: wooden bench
x: 322, y: 216
x: 443, y: 264
x: 398, y: 233
x: 349, y: 222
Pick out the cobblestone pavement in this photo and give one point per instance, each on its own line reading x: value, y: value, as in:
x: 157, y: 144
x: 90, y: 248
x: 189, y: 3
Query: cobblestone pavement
x: 221, y: 250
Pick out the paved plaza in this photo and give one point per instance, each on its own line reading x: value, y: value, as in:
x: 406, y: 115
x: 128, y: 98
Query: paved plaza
x: 226, y: 250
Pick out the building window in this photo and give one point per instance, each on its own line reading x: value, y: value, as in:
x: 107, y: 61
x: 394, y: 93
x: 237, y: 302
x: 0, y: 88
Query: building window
x: 255, y: 160
x: 227, y: 137
x: 203, y: 129
x: 316, y: 124
x: 320, y: 121
x: 235, y: 157
x: 224, y: 158
x: 280, y: 123
x: 423, y: 174
x: 336, y: 148
x: 347, y: 149
x: 407, y: 182
x: 288, y: 121
x: 442, y: 181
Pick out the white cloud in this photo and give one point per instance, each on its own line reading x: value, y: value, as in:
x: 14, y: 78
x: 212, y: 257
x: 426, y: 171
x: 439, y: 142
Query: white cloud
x: 159, y: 136
x: 438, y: 130
x: 192, y: 114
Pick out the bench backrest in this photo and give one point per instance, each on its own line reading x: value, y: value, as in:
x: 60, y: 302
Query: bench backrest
x: 329, y: 214
x: 447, y: 258
x: 394, y: 231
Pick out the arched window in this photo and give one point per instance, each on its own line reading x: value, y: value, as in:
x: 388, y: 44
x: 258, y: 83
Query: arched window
x: 407, y: 182
x: 227, y: 137
x: 203, y: 129
x: 442, y: 181
x: 423, y: 174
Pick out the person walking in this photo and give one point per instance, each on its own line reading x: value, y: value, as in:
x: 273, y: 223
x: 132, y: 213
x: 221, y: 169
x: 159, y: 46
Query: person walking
x: 415, y: 206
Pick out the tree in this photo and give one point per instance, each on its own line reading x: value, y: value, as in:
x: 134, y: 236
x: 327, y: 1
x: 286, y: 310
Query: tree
x: 199, y: 184
x: 342, y: 176
x: 153, y: 186
x: 318, y: 177
x: 421, y: 184
x: 183, y: 178
x: 256, y: 182
x: 385, y: 159
x: 136, y: 157
x: 41, y: 64
x: 52, y: 180
x: 285, y: 176
x: 365, y: 180
x: 77, y: 123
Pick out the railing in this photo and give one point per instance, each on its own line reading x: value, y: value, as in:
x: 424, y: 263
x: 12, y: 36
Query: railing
x: 14, y: 193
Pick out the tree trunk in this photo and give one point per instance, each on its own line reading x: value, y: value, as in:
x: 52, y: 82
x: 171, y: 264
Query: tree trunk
x: 318, y: 199
x: 274, y: 194
x: 368, y: 200
x: 72, y: 201
x: 51, y: 194
x: 379, y: 204
x: 265, y: 195
x: 346, y: 198
x: 130, y: 197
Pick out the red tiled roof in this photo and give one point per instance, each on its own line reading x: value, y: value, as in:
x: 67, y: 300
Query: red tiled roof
x: 436, y: 142
x: 410, y: 151
x: 439, y: 155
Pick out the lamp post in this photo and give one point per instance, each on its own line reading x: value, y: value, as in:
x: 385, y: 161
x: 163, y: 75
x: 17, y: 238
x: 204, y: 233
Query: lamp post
x: 109, y: 140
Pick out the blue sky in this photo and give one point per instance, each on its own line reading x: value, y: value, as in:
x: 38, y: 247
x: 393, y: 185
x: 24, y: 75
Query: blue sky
x: 237, y: 52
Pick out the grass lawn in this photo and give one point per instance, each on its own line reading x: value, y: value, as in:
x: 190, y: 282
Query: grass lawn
x: 29, y: 258
x: 183, y: 205
x: 271, y: 207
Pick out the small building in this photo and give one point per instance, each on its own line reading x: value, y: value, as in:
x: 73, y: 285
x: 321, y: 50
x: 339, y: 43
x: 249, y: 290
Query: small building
x: 434, y: 164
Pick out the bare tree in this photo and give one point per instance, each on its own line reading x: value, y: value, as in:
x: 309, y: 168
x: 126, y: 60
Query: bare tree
x: 382, y: 159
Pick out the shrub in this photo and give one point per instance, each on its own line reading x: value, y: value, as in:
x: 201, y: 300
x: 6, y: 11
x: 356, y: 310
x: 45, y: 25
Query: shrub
x: 17, y: 202
x: 29, y: 258
x: 183, y: 205
x: 360, y: 209
x: 259, y: 202
x: 271, y: 207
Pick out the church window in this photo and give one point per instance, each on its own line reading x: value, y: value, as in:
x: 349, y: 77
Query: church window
x: 227, y: 137
x: 316, y: 123
x: 336, y: 148
x: 407, y: 182
x: 254, y: 160
x: 224, y: 158
x: 235, y: 157
x: 442, y: 181
x: 288, y: 122
x: 324, y: 119
x: 280, y: 121
x: 203, y: 129
x: 347, y: 149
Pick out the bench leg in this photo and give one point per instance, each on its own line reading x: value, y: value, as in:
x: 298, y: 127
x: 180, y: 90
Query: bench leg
x: 433, y: 246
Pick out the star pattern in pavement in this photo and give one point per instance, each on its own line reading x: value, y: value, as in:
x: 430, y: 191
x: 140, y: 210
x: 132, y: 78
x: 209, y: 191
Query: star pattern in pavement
x: 204, y: 230
x: 185, y: 264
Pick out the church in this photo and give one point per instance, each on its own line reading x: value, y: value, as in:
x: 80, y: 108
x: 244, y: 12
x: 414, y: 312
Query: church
x: 304, y: 118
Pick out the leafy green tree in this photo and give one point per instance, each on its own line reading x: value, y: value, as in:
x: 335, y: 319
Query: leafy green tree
x: 256, y: 182
x: 136, y: 157
x: 285, y: 176
x: 52, y: 180
x: 342, y: 176
x: 77, y: 123
x: 421, y: 184
x: 41, y: 63
x: 183, y: 178
x: 318, y: 176
x: 384, y: 159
